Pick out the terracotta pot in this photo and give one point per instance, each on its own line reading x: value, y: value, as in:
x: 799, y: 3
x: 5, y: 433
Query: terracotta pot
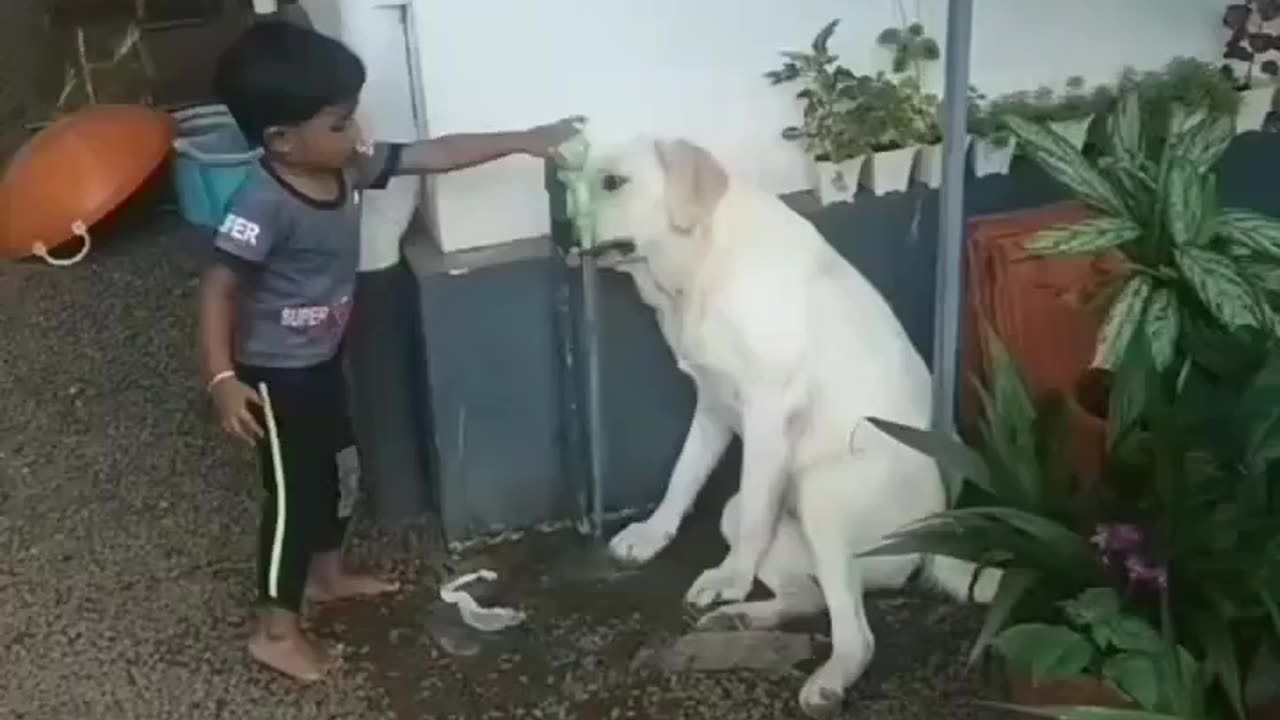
x: 1087, y: 405
x: 1082, y: 691
x: 1033, y: 304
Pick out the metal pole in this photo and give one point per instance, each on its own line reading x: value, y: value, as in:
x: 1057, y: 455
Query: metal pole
x: 951, y: 219
x: 595, y: 419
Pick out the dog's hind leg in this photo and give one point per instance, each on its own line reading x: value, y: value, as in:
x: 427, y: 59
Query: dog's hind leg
x: 704, y: 445
x: 787, y: 570
x: 826, y: 525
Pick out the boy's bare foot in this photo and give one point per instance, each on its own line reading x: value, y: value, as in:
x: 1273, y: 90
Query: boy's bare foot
x: 279, y: 644
x: 330, y: 581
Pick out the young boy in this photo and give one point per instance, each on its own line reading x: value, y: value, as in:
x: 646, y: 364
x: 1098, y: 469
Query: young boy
x: 275, y: 301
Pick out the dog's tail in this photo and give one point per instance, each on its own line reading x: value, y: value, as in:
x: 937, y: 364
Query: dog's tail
x: 962, y: 580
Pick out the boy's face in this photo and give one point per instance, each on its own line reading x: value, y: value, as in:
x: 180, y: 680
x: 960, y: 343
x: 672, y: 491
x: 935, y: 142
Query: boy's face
x: 325, y: 142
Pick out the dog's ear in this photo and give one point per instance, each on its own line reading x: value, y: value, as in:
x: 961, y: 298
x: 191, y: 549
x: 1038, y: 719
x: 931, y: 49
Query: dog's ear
x: 695, y: 182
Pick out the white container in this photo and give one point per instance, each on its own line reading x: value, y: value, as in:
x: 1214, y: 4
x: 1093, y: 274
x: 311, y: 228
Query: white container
x: 929, y: 163
x: 828, y: 182
x: 992, y: 159
x: 837, y: 182
x: 1075, y: 131
x: 1255, y: 104
x: 889, y: 171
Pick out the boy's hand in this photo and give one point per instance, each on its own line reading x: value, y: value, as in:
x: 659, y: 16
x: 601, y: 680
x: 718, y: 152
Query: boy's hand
x: 231, y: 400
x: 541, y: 141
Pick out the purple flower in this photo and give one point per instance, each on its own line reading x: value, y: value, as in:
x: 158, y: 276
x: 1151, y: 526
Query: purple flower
x: 1121, y: 538
x: 1142, y: 572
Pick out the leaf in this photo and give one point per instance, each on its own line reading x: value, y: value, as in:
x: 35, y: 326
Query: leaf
x: 1081, y: 712
x: 1184, y: 209
x: 1085, y: 237
x: 1045, y: 652
x: 933, y: 536
x: 824, y: 36
x: 1093, y: 606
x: 950, y: 453
x: 1123, y: 319
x: 1126, y: 126
x: 1135, y: 676
x: 1065, y: 164
x: 1204, y: 142
x: 1162, y: 324
x: 1014, y: 583
x: 1220, y: 286
x: 1128, y: 392
x: 1220, y: 657
x: 1252, y: 230
x: 1133, y: 634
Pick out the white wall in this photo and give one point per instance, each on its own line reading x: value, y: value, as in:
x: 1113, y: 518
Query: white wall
x: 693, y: 68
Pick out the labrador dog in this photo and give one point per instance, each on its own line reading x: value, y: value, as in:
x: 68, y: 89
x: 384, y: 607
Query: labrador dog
x: 790, y: 348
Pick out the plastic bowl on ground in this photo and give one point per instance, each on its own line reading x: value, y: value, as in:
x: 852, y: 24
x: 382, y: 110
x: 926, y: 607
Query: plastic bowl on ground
x: 74, y: 173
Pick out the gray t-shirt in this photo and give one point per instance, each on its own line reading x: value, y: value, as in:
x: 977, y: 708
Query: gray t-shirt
x: 297, y: 258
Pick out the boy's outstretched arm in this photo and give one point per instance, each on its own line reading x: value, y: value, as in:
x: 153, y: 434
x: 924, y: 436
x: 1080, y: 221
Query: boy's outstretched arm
x: 456, y: 152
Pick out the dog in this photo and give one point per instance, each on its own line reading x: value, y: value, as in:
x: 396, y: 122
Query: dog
x: 790, y: 348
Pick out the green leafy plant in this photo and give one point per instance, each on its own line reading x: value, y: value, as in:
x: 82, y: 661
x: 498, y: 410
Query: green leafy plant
x: 1188, y: 260
x: 1098, y: 638
x: 890, y: 114
x: 826, y: 98
x: 1188, y: 538
x: 910, y: 46
x: 1188, y: 83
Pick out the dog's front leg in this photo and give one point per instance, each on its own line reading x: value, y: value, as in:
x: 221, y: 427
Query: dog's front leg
x: 704, y: 444
x: 764, y: 458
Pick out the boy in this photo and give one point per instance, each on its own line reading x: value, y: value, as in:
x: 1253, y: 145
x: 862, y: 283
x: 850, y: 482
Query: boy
x: 275, y: 300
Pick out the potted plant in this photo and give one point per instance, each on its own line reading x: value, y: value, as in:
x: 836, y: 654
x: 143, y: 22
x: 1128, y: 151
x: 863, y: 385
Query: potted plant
x: 1187, y: 82
x: 1159, y: 596
x: 837, y: 153
x: 993, y: 146
x: 911, y: 48
x: 929, y: 161
x: 1189, y: 265
x: 1252, y: 55
x: 893, y: 118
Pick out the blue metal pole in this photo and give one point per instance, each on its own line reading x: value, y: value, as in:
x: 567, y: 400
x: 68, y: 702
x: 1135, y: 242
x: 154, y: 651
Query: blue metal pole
x: 951, y: 222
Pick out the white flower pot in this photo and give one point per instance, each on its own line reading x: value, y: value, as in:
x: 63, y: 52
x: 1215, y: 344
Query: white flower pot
x: 929, y: 163
x: 889, y: 171
x: 837, y: 182
x: 992, y: 159
x: 1075, y: 131
x: 1255, y: 103
x: 830, y: 183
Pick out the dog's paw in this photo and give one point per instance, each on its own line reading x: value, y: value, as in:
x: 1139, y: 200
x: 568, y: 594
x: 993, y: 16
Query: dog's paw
x: 721, y: 584
x: 640, y: 542
x: 823, y: 693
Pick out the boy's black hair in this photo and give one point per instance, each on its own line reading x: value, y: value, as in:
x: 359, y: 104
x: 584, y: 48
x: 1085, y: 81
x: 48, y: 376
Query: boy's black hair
x: 277, y: 74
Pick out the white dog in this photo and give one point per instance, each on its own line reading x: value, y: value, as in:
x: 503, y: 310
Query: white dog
x: 791, y: 348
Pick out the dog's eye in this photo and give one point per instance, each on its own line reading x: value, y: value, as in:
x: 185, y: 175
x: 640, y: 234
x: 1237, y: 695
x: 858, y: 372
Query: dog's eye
x: 612, y: 183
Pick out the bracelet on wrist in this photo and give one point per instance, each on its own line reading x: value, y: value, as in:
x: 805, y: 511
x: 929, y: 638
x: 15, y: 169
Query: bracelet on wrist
x: 217, y: 378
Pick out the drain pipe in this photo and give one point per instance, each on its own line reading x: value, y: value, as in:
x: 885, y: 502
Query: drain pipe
x: 595, y: 411
x: 950, y: 268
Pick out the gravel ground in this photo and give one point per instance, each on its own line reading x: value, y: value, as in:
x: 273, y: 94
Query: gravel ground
x: 126, y: 527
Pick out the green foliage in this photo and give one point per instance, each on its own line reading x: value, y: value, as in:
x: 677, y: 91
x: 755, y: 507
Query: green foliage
x: 1167, y: 589
x: 846, y: 114
x: 910, y: 46
x: 1158, y: 205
